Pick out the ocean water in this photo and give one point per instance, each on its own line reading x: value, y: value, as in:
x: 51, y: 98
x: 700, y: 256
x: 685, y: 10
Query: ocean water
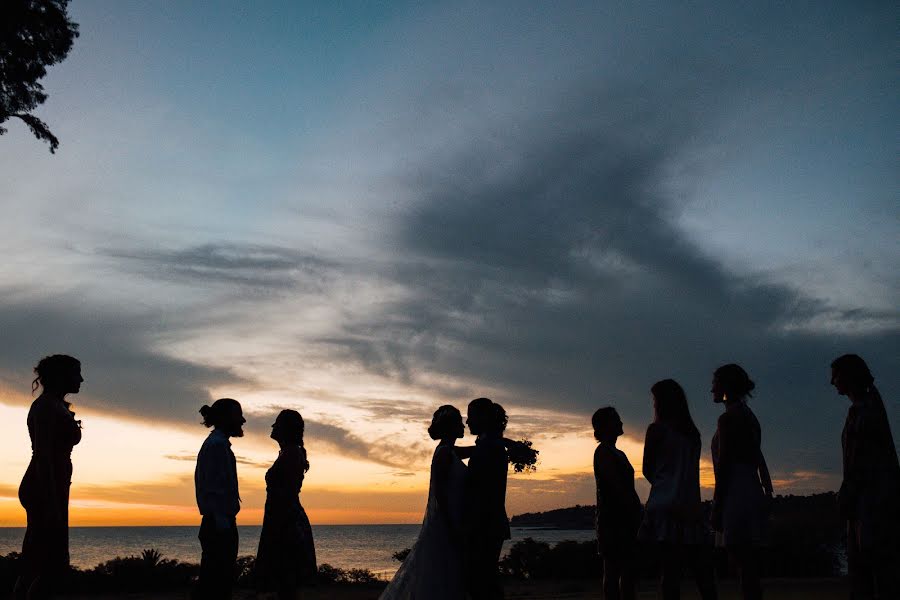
x: 346, y: 546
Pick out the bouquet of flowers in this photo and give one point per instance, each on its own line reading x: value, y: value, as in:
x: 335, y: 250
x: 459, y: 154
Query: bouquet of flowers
x: 522, y: 455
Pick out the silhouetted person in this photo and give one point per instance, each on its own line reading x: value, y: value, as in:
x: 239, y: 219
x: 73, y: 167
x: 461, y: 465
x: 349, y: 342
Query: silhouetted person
x: 869, y: 498
x: 487, y: 525
x: 618, y: 513
x: 216, y: 484
x: 673, y: 517
x: 743, y: 486
x: 44, y: 492
x: 286, y: 556
x: 433, y: 568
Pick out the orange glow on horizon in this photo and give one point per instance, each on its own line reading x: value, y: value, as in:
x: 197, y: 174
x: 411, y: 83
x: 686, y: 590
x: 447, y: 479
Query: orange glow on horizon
x: 114, y: 514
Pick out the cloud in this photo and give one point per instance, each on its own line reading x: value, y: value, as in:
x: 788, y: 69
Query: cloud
x: 231, y: 264
x: 383, y: 450
x: 393, y: 410
x: 241, y: 460
x: 124, y: 371
x: 510, y: 190
x: 541, y: 256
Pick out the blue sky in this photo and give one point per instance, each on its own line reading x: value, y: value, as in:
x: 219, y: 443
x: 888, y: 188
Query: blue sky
x: 356, y: 206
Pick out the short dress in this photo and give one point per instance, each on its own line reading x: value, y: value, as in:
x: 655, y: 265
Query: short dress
x: 618, y: 513
x: 736, y: 457
x: 44, y: 491
x: 673, y: 514
x: 286, y: 553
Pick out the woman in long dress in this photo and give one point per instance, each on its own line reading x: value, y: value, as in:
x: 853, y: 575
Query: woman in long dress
x: 743, y: 486
x: 618, y: 507
x: 433, y: 569
x: 286, y: 557
x: 870, y: 491
x: 44, y: 492
x: 673, y: 517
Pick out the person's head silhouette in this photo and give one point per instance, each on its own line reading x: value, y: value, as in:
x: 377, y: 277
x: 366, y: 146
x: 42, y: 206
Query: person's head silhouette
x: 850, y: 375
x: 607, y: 424
x: 670, y: 406
x: 480, y: 416
x: 446, y: 424
x: 731, y: 384
x: 288, y: 428
x: 58, y: 374
x: 225, y: 415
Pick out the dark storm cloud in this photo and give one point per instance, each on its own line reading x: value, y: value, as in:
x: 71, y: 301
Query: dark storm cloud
x: 548, y: 263
x: 123, y: 372
x: 243, y: 265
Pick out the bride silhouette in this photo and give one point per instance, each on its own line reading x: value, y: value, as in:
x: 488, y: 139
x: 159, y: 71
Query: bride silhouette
x: 433, y: 569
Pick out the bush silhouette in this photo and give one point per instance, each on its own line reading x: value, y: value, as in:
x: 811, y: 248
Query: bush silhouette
x: 401, y: 555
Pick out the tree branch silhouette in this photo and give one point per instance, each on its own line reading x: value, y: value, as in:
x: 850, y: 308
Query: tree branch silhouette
x: 34, y: 34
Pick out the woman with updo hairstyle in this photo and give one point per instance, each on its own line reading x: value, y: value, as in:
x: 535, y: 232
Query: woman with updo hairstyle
x: 286, y: 557
x: 743, y: 489
x: 433, y: 568
x: 870, y: 491
x: 618, y: 512
x: 44, y: 491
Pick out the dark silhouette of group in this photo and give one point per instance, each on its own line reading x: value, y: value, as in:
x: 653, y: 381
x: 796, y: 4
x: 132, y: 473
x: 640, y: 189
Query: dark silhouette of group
x: 673, y: 519
x: 458, y: 549
x: 465, y: 525
x: 286, y: 557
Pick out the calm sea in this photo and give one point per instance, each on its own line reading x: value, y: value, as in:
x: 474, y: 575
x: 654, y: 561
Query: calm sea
x: 345, y: 546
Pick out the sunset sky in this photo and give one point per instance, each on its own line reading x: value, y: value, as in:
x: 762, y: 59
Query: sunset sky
x: 365, y: 210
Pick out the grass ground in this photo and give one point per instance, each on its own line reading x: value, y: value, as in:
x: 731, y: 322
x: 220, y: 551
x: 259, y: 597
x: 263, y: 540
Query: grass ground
x: 779, y: 589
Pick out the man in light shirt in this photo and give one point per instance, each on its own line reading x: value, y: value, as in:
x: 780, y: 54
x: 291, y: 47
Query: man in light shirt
x: 216, y: 485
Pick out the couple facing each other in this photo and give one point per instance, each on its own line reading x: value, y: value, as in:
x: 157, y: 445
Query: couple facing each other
x: 286, y: 557
x: 465, y: 524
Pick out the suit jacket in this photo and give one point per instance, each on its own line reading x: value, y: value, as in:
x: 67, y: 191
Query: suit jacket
x: 486, y: 491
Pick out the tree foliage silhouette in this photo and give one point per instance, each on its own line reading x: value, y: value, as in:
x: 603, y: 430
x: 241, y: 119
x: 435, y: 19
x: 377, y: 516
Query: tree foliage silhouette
x: 34, y: 34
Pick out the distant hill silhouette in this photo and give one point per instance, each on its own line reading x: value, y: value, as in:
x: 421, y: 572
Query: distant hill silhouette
x: 813, y: 516
x: 804, y: 540
x: 574, y: 517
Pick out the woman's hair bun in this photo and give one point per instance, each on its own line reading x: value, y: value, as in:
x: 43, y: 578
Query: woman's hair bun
x: 204, y: 410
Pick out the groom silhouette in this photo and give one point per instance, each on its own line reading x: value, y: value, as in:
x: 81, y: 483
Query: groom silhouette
x: 487, y: 525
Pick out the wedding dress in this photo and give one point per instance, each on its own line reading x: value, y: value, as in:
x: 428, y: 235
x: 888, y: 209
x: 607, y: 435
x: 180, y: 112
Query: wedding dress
x: 433, y: 568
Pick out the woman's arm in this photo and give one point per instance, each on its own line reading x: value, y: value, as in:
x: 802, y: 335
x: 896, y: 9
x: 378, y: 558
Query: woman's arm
x: 651, y: 451
x: 44, y: 430
x: 292, y: 467
x: 858, y: 458
x: 440, y: 469
x: 723, y: 464
x: 764, y: 475
x: 721, y: 468
x: 464, y: 452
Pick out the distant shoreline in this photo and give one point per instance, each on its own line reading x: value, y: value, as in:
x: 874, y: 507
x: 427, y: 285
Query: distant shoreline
x: 348, y: 546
